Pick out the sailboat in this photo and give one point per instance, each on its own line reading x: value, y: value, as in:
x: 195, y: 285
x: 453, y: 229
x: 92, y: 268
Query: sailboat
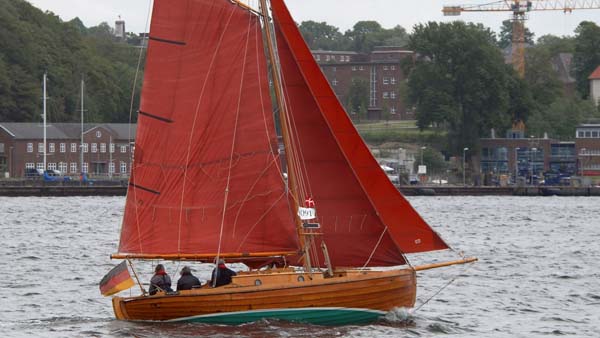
x: 284, y: 185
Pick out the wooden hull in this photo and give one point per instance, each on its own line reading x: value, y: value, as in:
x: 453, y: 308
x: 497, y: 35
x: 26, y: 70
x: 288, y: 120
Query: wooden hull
x: 349, y: 297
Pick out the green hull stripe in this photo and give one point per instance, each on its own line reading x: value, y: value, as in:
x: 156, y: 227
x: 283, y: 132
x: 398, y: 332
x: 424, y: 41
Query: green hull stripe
x: 319, y: 316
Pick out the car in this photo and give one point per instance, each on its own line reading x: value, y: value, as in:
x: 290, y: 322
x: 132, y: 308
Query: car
x: 52, y: 175
x: 33, y: 173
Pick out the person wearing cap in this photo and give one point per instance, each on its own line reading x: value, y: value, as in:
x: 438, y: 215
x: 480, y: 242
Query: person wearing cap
x: 187, y: 281
x: 160, y: 281
x: 221, y: 275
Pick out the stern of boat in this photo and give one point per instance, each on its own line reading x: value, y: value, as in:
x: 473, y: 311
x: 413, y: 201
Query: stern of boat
x: 118, y: 308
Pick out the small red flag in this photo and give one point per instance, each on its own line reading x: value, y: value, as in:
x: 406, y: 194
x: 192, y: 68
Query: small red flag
x: 116, y: 280
x: 309, y: 203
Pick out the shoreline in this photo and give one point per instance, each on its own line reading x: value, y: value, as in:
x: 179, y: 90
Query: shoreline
x: 42, y: 189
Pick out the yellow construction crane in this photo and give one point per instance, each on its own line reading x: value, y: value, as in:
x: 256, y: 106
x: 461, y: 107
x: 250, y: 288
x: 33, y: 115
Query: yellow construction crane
x: 519, y: 9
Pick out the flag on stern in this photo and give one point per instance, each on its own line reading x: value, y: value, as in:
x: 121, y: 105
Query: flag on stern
x: 117, y: 279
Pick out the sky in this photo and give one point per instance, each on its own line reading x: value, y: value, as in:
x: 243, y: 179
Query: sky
x: 342, y: 14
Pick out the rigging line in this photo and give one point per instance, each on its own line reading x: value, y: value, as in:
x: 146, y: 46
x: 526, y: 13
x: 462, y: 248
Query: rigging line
x: 246, y: 198
x: 235, y: 127
x: 193, y: 127
x: 131, y: 175
x: 442, y: 288
x: 260, y: 219
x: 375, y: 248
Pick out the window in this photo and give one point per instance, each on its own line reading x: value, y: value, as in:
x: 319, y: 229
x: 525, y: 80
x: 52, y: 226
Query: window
x: 52, y: 147
x: 62, y: 166
x: 102, y: 147
x: 392, y: 95
x: 94, y: 147
x: 30, y: 147
x: 63, y: 147
x: 84, y: 168
x: 327, y: 58
x: 318, y: 57
x: 347, y: 58
x: 334, y: 69
x: 386, y: 80
x: 112, y: 147
x: 73, y: 168
x: 29, y: 165
x: 333, y: 57
x: 40, y: 166
x: 361, y: 68
x: 111, y: 168
x: 73, y: 147
x: 40, y: 147
x: 334, y: 82
x: 393, y: 110
x: 52, y: 166
x: 594, y: 134
x: 588, y: 134
x: 98, y: 134
x: 393, y: 67
x: 386, y: 67
x: 123, y: 149
x: 579, y: 134
x: 85, y: 147
x: 393, y: 80
x: 386, y: 95
x: 353, y: 68
x: 1, y: 147
x: 123, y: 167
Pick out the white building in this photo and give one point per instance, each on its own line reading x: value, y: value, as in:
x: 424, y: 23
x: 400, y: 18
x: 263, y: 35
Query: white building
x: 595, y: 86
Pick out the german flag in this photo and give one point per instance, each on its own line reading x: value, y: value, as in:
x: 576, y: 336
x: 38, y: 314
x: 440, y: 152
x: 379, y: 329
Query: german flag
x: 116, y: 280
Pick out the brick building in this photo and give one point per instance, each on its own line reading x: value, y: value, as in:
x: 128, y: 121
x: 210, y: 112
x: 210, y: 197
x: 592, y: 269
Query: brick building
x: 381, y: 69
x: 588, y: 149
x: 519, y: 156
x: 106, y: 148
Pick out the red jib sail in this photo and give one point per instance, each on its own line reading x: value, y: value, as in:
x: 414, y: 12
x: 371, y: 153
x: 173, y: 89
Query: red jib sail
x: 206, y: 175
x: 364, y: 219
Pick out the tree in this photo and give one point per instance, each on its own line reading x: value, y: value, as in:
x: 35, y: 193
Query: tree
x: 320, y: 35
x: 541, y: 77
x: 556, y: 44
x: 506, y: 35
x: 561, y: 118
x: 358, y: 98
x: 434, y: 160
x: 587, y: 54
x: 459, y: 81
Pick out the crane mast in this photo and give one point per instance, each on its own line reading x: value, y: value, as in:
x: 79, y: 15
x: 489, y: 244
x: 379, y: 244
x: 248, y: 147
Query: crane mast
x: 519, y: 9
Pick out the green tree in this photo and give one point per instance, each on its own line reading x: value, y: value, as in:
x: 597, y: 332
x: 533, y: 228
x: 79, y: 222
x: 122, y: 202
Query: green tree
x: 561, y: 118
x: 460, y: 81
x: 541, y: 77
x: 506, y: 35
x: 358, y: 98
x: 320, y: 35
x: 587, y: 54
x: 556, y: 44
x: 434, y: 160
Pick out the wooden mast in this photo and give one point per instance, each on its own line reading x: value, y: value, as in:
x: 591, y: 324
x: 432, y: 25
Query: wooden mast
x: 284, y: 125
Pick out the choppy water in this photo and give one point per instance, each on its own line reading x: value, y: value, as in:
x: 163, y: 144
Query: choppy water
x: 538, y: 275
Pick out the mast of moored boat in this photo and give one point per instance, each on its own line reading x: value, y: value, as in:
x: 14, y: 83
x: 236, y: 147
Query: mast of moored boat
x: 45, y: 98
x: 81, y: 146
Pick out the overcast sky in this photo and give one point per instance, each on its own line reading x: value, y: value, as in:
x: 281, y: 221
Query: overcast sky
x: 342, y: 14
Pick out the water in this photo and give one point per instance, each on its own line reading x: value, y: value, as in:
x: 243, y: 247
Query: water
x: 538, y: 274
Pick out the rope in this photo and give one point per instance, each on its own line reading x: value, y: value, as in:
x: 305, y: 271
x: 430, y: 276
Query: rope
x: 234, y: 138
x: 375, y: 248
x: 442, y: 289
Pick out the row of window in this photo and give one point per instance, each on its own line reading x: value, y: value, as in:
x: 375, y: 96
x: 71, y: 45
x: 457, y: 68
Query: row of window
x: 591, y: 152
x: 588, y: 133
x: 389, y: 95
x: 74, y: 146
x: 62, y: 166
x: 341, y: 58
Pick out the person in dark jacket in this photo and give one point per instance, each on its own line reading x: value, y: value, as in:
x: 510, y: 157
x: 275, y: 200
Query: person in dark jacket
x: 187, y: 281
x: 160, y: 281
x: 221, y: 275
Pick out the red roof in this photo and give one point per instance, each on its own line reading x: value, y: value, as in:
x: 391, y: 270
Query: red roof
x: 595, y: 75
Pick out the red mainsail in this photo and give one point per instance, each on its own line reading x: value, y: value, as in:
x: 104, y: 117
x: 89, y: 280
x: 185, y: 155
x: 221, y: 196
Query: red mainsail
x: 364, y: 219
x: 206, y: 174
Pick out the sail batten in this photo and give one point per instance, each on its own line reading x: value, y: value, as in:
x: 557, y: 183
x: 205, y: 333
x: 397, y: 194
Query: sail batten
x: 189, y: 151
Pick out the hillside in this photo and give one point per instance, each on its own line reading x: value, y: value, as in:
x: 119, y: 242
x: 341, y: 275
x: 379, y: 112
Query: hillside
x: 32, y: 42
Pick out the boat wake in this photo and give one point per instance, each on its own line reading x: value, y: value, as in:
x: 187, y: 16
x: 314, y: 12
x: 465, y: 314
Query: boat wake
x: 402, y: 316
